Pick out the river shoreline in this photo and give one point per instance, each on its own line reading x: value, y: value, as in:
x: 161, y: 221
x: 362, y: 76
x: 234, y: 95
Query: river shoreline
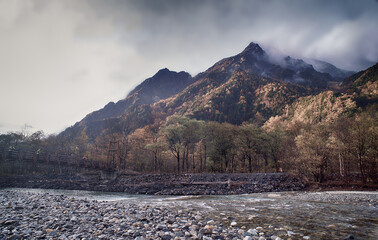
x: 25, y: 214
x: 160, y: 184
x: 46, y: 216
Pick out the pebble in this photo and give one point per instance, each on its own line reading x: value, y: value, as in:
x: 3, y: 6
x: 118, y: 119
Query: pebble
x: 48, y: 216
x: 208, y: 229
x: 210, y: 222
x: 253, y: 232
x: 26, y: 215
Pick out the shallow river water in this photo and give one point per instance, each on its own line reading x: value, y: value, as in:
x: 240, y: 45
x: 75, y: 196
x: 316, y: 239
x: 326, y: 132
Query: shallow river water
x: 324, y: 215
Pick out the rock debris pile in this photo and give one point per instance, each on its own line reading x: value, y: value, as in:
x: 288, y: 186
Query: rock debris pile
x: 163, y: 184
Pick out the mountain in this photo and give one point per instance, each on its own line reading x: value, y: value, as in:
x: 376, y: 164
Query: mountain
x: 163, y: 84
x: 326, y: 106
x: 357, y: 92
x: 363, y: 82
x: 325, y: 67
x: 363, y: 85
x: 242, y: 96
x: 247, y: 87
x: 254, y: 60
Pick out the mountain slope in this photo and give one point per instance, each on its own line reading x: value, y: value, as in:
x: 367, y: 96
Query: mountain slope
x: 246, y: 87
x: 326, y: 106
x: 325, y: 67
x: 359, y: 91
x: 163, y: 84
x: 243, y: 97
x: 363, y: 82
x: 364, y: 86
x: 254, y: 60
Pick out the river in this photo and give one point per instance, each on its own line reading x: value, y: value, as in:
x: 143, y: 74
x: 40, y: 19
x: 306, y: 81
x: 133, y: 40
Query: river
x: 318, y: 215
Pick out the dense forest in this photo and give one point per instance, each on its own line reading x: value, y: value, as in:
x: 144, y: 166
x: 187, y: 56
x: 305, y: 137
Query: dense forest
x: 343, y: 149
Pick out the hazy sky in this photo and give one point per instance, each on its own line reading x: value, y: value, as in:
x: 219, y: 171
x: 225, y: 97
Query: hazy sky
x: 60, y: 60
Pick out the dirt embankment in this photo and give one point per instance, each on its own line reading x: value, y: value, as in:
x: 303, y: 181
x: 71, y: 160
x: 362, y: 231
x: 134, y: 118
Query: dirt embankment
x: 166, y: 184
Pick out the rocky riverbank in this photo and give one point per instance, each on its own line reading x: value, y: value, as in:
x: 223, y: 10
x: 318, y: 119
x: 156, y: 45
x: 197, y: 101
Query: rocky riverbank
x: 26, y: 215
x: 340, y: 197
x: 47, y: 214
x: 162, y: 184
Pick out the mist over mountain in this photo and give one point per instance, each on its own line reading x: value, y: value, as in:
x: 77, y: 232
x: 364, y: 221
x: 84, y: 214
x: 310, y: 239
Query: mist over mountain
x: 325, y: 67
x: 251, y: 86
x: 255, y: 60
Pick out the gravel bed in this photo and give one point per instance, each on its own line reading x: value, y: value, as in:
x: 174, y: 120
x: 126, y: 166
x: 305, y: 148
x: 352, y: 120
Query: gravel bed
x: 355, y: 198
x: 26, y: 215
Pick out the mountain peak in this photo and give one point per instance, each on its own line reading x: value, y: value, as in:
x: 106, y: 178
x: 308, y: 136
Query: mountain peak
x: 165, y: 73
x: 162, y: 71
x: 254, y: 48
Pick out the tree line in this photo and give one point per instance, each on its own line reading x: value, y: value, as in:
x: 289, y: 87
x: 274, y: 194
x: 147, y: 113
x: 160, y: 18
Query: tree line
x: 344, y: 149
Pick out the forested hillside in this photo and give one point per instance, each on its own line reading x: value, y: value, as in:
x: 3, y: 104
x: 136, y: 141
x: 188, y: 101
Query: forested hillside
x: 247, y: 113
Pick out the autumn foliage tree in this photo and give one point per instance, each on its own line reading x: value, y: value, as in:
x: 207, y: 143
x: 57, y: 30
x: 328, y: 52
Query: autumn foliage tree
x: 343, y: 149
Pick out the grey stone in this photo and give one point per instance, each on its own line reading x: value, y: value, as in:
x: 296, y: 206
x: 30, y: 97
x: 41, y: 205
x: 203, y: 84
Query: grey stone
x: 166, y: 237
x: 253, y: 232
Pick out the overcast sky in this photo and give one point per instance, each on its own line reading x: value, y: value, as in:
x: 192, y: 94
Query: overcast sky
x: 60, y: 60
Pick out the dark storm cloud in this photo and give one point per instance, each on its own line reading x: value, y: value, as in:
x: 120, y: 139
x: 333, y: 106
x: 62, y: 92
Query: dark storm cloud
x: 80, y: 54
x: 344, y: 32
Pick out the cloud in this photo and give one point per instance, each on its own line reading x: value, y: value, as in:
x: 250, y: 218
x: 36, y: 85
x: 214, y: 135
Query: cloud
x: 50, y: 73
x: 188, y: 30
x: 63, y: 59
